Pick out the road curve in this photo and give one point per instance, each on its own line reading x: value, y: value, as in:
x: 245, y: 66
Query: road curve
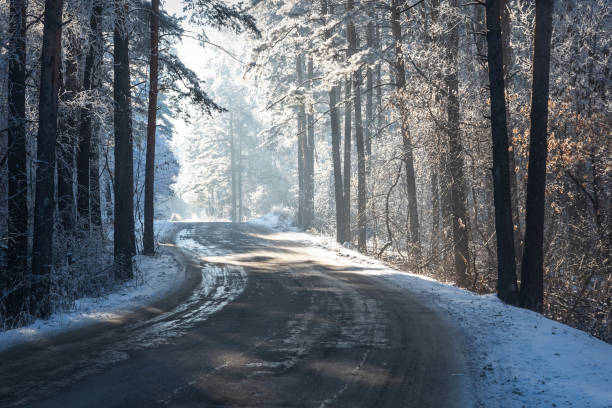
x: 259, y: 322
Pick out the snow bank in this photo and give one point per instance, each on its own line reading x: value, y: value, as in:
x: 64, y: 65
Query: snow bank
x: 154, y: 277
x: 516, y: 357
x: 280, y: 219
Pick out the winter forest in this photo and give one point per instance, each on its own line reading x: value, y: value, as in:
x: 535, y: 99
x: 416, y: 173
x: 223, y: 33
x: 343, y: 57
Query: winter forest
x: 468, y: 141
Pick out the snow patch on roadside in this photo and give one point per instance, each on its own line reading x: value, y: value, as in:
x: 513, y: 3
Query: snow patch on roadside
x: 279, y: 218
x: 154, y: 277
x: 515, y: 357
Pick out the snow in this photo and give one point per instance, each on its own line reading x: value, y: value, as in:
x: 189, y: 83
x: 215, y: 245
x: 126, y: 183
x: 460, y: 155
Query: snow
x: 515, y: 357
x: 155, y: 276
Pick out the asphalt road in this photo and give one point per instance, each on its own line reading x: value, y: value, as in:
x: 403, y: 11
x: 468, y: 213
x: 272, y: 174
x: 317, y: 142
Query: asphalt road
x: 260, y: 323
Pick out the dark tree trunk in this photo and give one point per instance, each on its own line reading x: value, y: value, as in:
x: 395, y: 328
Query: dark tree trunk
x: 309, y: 157
x: 346, y: 182
x: 124, y: 239
x: 68, y: 134
x: 302, y: 140
x: 532, y: 278
x: 234, y: 178
x: 147, y: 238
x: 87, y: 147
x: 414, y: 240
x: 369, y: 84
x: 506, y: 267
x: 508, y: 59
x: 361, y: 160
x: 455, y: 162
x: 17, y: 222
x: 42, y: 250
x: 239, y: 177
x: 94, y: 183
x: 336, y: 159
x: 338, y: 189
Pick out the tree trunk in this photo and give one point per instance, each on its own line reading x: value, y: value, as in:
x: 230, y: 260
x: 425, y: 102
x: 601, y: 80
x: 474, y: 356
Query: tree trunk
x: 369, y: 84
x: 455, y: 162
x: 348, y: 107
x: 68, y: 134
x: 309, y: 157
x: 532, y: 278
x: 88, y: 149
x: 42, y: 250
x: 336, y: 159
x: 361, y: 165
x: 124, y: 240
x: 17, y: 222
x: 506, y: 267
x: 147, y: 238
x: 414, y: 240
x: 508, y: 59
x: 302, y: 139
x: 234, y: 210
x: 239, y: 170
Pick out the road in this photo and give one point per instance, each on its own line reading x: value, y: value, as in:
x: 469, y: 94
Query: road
x: 259, y: 322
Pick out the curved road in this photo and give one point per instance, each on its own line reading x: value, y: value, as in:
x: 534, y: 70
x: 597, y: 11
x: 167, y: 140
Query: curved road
x: 258, y: 322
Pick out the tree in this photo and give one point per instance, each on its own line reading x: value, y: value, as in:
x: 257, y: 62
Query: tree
x: 88, y: 197
x: 124, y: 240
x: 507, y: 289
x: 361, y: 165
x: 17, y: 250
x: 147, y: 239
x: 67, y: 138
x: 532, y: 278
x: 400, y: 72
x: 42, y: 249
x: 455, y: 159
x: 334, y: 119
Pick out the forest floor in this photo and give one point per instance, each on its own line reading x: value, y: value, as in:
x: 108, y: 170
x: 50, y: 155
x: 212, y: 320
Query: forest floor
x: 154, y: 278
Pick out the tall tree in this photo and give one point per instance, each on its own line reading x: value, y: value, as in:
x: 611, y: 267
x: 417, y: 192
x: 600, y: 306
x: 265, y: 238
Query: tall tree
x: 532, y: 278
x: 88, y: 147
x: 44, y: 205
x: 67, y: 137
x: 348, y: 108
x: 414, y: 239
x: 361, y: 165
x: 302, y: 140
x: 147, y: 238
x: 334, y: 119
x: 17, y: 162
x: 309, y: 145
x: 124, y: 240
x: 506, y: 268
x: 455, y: 159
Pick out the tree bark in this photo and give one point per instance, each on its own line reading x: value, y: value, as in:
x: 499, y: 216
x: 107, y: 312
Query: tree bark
x: 455, y: 161
x: 506, y: 267
x: 414, y: 240
x: 309, y: 156
x: 532, y: 278
x: 346, y: 182
x: 87, y: 173
x: 361, y: 160
x: 302, y: 140
x: 147, y: 238
x: 42, y: 250
x: 124, y: 239
x: 234, y: 178
x: 508, y: 59
x: 335, y: 136
x: 68, y: 134
x: 17, y: 222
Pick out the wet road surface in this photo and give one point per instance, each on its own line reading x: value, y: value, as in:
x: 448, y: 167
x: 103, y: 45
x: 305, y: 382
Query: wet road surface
x: 258, y: 322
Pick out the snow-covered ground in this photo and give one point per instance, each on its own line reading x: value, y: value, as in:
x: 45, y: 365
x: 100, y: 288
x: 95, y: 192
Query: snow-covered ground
x: 154, y: 277
x: 515, y: 357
